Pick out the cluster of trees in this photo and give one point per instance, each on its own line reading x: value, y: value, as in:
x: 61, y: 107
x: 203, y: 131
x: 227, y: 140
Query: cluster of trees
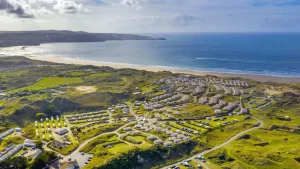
x: 21, y: 162
x: 42, y: 160
x: 157, y: 155
x: 49, y: 110
x: 14, y: 163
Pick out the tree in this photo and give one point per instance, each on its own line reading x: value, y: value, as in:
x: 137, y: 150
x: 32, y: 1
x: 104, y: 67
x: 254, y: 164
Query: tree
x: 40, y: 115
x: 42, y: 160
x: 39, y: 145
x: 14, y: 163
x: 50, y: 109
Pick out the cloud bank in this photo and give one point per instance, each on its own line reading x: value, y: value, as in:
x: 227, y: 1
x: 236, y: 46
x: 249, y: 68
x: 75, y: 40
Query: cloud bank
x: 39, y: 8
x: 152, y: 15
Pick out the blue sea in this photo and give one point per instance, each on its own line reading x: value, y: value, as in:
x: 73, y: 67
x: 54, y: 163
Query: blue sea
x: 276, y: 54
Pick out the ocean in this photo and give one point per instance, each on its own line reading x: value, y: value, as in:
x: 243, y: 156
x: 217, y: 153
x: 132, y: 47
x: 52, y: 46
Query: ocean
x: 275, y: 54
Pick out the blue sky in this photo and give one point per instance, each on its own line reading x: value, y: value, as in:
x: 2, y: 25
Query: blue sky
x: 143, y: 16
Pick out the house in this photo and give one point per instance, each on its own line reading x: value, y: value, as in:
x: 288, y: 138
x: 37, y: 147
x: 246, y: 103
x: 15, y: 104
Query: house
x: 69, y: 165
x: 230, y: 106
x: 218, y: 87
x: 36, y: 153
x: 171, y: 117
x: 151, y: 138
x: 218, y: 96
x: 28, y: 143
x: 227, y: 90
x: 177, y: 140
x: 127, y: 129
x: 220, y: 104
x: 213, y: 101
x: 235, y: 120
x: 174, y: 135
x: 236, y: 91
x: 138, y: 126
x: 186, y: 138
x: 129, y: 119
x: 203, y: 100
x: 18, y: 129
x: 61, y: 131
x: 244, y: 91
x: 136, y: 133
x: 8, y: 132
x: 244, y: 110
x: 218, y: 111
x: 58, y: 144
x: 180, y: 136
x: 158, y: 142
x: 168, y: 144
x: 172, y: 138
x: 176, y: 113
x: 169, y: 132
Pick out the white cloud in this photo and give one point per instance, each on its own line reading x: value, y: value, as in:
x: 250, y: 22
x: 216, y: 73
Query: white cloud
x: 156, y: 21
x: 152, y: 16
x: 17, y: 7
x: 67, y: 6
x: 39, y: 8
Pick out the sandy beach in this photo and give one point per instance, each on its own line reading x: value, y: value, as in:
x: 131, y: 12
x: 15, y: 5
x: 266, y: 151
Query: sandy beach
x: 261, y: 78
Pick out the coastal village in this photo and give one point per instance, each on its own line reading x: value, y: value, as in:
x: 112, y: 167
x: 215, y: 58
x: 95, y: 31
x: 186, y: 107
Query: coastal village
x: 160, y: 119
x: 167, y: 112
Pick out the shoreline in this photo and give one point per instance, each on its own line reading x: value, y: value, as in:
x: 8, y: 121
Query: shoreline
x: 261, y: 78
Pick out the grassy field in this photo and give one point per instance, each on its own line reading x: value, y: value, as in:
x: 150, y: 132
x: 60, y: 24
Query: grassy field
x: 50, y: 82
x: 148, y: 89
x: 10, y: 139
x: 222, y: 134
x: 100, y: 74
x: 273, y: 146
x: 195, y: 111
x: 97, y: 147
x: 45, y: 125
x: 120, y: 148
x: 97, y: 131
x: 104, y: 139
x: 278, y: 151
x: 145, y: 144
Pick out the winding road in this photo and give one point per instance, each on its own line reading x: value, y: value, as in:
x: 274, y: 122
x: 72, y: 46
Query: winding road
x: 261, y: 123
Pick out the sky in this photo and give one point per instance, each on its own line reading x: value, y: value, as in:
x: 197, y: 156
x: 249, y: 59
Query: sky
x: 151, y: 16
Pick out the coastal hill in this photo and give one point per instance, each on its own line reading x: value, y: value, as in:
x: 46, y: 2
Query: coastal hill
x: 33, y: 38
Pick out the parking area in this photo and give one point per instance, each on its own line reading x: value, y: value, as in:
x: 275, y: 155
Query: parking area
x: 81, y: 158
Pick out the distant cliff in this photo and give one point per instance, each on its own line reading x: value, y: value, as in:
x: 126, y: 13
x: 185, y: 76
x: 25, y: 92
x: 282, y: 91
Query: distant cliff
x: 33, y: 38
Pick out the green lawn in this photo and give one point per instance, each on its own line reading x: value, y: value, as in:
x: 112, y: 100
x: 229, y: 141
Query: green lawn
x: 195, y: 111
x: 10, y: 139
x: 50, y: 82
x: 100, y: 74
x: 120, y: 148
x: 77, y: 74
x: 279, y: 152
x: 52, y: 125
x: 148, y: 89
x: 100, y: 141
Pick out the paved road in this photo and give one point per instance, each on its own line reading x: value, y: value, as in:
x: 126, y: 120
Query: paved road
x: 264, y: 105
x: 87, y: 141
x: 81, y: 159
x: 76, y: 153
x: 261, y: 123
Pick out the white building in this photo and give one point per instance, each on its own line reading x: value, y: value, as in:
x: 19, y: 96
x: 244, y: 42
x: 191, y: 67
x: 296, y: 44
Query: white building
x: 28, y: 143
